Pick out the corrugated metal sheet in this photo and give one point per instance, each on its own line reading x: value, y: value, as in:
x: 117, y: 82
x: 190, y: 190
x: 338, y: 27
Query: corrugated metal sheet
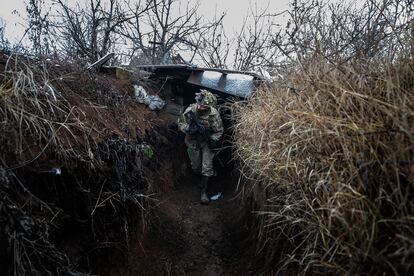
x: 235, y: 83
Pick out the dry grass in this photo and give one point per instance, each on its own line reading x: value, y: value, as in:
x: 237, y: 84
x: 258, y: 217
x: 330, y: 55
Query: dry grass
x: 56, y: 115
x: 329, y: 154
x: 34, y: 113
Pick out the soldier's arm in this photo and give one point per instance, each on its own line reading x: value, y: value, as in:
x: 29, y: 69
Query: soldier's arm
x: 183, y: 121
x: 216, y: 127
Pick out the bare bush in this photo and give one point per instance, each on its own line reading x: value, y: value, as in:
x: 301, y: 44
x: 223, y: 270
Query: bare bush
x: 90, y: 31
x: 38, y: 28
x: 254, y: 43
x: 249, y: 49
x: 213, y: 45
x: 4, y: 43
x: 167, y: 28
x: 341, y: 31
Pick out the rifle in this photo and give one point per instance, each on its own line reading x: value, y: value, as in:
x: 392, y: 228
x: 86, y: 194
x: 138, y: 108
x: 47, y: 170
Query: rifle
x: 195, y: 127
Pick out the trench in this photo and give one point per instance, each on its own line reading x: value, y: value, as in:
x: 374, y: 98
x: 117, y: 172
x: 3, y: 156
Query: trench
x: 127, y: 204
x: 181, y: 236
x: 187, y: 237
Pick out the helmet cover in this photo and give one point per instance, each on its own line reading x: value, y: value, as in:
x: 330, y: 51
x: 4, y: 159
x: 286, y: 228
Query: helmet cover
x: 206, y: 98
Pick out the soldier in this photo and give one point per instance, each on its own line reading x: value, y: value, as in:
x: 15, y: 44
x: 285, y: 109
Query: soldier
x: 203, y: 127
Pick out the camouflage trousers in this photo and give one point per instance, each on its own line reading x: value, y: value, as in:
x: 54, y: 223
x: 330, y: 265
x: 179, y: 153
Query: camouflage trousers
x: 201, y: 158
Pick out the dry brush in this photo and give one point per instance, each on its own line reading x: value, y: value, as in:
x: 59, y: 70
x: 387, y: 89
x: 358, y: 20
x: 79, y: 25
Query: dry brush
x: 73, y: 168
x: 328, y: 154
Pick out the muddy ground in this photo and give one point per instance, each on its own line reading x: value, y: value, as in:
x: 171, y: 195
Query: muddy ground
x: 191, y: 238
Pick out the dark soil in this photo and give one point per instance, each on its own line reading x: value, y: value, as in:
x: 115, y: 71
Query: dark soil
x: 191, y: 238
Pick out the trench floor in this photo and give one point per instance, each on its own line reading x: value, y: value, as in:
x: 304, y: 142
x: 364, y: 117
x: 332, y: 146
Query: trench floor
x: 191, y: 238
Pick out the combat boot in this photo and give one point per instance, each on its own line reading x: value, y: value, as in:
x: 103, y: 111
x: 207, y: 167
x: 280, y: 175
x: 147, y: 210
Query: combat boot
x: 204, y: 186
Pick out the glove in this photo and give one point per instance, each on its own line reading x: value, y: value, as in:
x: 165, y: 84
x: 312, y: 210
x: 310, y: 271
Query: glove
x: 212, y: 144
x: 201, y: 129
x: 192, y: 129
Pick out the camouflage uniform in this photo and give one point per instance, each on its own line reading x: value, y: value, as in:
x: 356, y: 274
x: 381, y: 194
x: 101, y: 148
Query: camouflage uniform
x: 200, y: 153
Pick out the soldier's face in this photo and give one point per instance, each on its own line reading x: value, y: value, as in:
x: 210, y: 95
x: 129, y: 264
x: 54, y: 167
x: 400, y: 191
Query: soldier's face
x: 202, y: 107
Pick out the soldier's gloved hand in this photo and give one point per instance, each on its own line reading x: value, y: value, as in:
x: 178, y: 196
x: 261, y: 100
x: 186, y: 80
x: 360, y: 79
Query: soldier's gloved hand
x: 192, y: 129
x: 201, y: 129
x: 212, y: 144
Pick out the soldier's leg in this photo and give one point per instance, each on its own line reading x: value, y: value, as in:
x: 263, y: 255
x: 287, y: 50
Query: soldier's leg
x: 207, y: 161
x: 194, y: 154
x: 207, y: 171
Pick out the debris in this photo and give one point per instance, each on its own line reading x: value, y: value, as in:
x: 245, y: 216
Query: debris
x: 101, y: 61
x: 216, y: 196
x: 265, y: 74
x: 27, y: 223
x: 141, y: 94
x: 152, y: 101
x: 56, y: 171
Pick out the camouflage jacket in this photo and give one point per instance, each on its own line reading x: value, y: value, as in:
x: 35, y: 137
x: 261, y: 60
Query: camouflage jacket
x: 211, y: 120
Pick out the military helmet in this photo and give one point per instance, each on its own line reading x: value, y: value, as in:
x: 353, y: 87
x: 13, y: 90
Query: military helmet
x: 206, y: 98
